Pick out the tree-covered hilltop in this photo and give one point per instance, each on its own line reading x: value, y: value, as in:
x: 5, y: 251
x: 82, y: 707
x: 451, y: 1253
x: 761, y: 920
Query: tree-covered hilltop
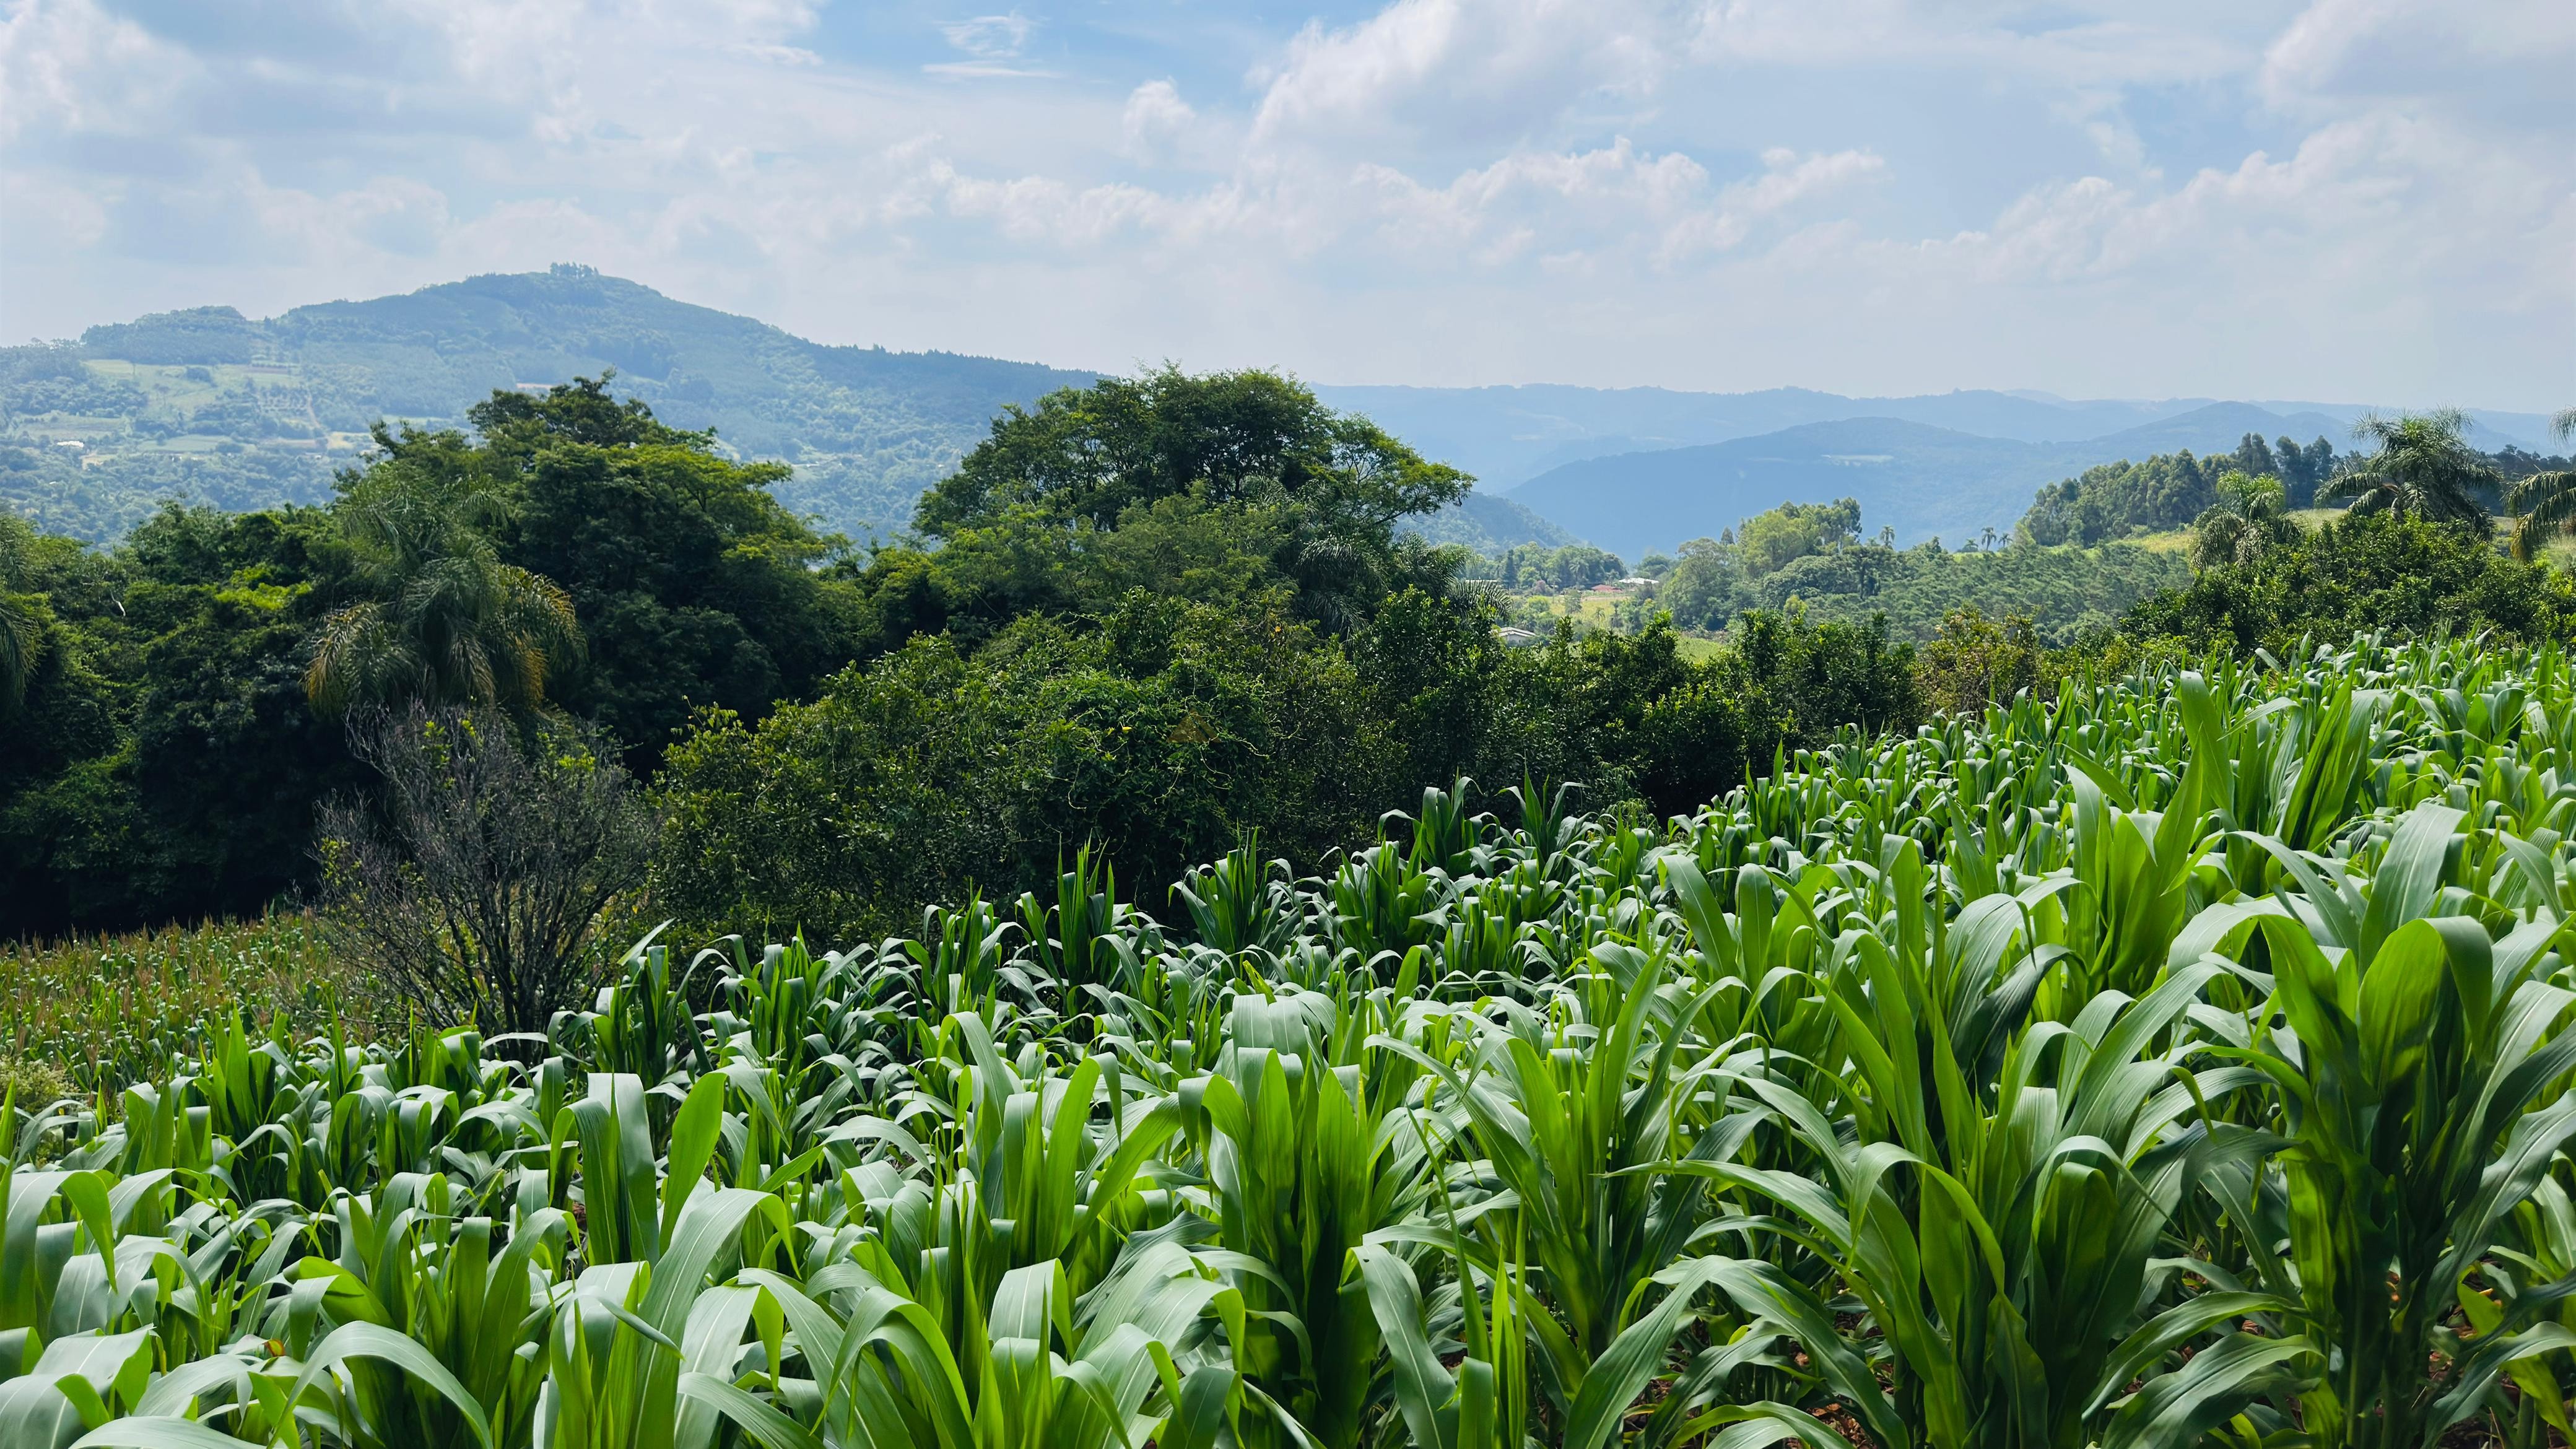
x: 246, y: 413
x: 2116, y: 500
x: 240, y: 414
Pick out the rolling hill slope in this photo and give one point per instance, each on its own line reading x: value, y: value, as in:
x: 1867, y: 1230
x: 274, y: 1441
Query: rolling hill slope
x: 245, y: 412
x: 1509, y: 435
x: 248, y: 413
x: 1920, y: 480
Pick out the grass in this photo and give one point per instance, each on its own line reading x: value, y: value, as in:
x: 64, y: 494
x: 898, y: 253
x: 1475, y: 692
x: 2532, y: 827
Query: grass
x: 1586, y: 607
x: 95, y: 1012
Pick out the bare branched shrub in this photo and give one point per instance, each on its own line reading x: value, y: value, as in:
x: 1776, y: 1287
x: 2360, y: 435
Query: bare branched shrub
x: 475, y: 883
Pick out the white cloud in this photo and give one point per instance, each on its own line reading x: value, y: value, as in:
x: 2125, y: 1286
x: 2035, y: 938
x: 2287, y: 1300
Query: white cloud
x: 1463, y: 68
x: 1155, y: 116
x: 2361, y: 198
x: 991, y: 37
x: 68, y: 66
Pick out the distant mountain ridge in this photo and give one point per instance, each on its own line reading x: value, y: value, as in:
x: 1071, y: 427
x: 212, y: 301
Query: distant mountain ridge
x: 1507, y: 436
x: 248, y: 413
x: 1920, y: 480
x: 866, y: 428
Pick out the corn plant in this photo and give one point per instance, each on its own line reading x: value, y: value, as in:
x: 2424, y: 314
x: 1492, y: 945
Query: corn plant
x: 2181, y: 1058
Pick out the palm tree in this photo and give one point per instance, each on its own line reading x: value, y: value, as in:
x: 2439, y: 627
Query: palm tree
x: 2423, y: 468
x: 2249, y: 518
x: 449, y: 623
x: 2544, y: 503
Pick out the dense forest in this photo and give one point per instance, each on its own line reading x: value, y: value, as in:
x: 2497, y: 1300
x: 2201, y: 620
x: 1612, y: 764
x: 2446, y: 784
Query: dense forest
x: 1127, y: 591
x: 1123, y: 589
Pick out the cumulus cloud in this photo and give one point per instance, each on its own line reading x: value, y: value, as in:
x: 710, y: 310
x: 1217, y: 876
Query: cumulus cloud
x: 1155, y: 117
x: 1471, y: 69
x: 2363, y: 198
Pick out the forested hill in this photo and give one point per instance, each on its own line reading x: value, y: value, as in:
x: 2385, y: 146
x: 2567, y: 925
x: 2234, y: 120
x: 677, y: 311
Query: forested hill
x: 245, y: 412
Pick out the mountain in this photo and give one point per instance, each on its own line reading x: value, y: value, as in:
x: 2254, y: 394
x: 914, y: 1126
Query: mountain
x: 247, y: 413
x: 2490, y: 430
x: 1508, y: 435
x: 1489, y: 524
x: 1921, y: 480
x: 2215, y: 428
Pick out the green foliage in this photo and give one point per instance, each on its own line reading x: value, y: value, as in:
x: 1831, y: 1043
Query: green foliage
x: 1768, y: 542
x: 1975, y: 661
x: 2166, y: 492
x: 1168, y: 729
x: 443, y: 620
x: 1218, y: 484
x: 2422, y: 468
x: 692, y: 584
x: 2541, y: 492
x: 2182, y: 1059
x: 166, y: 761
x: 1809, y: 555
x: 1160, y: 733
x: 2368, y: 572
x: 1534, y: 567
x: 2246, y: 521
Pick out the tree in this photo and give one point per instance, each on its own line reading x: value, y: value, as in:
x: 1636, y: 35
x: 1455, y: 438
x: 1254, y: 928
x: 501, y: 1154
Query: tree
x: 2544, y: 503
x: 2301, y: 469
x: 1161, y: 731
x: 1225, y: 469
x: 1768, y: 542
x: 2364, y: 573
x: 1704, y: 585
x: 2423, y: 468
x: 2255, y: 457
x: 449, y: 624
x: 1247, y: 437
x: 2112, y: 500
x: 1975, y: 661
x: 692, y: 584
x: 2247, y: 521
x: 476, y: 885
x: 20, y: 636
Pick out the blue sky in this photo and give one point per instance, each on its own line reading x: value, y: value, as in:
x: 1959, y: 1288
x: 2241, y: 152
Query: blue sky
x: 2364, y: 200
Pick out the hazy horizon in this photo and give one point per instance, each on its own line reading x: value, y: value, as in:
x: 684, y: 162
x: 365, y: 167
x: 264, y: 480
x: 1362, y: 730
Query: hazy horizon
x: 2035, y: 394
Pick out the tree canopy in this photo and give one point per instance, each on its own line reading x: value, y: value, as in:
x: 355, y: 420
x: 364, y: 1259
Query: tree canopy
x: 1210, y: 487
x: 2422, y: 467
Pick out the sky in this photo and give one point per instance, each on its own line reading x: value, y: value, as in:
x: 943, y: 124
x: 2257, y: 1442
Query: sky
x: 2344, y: 200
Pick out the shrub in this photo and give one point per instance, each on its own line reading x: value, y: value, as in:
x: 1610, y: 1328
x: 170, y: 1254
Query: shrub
x: 475, y: 882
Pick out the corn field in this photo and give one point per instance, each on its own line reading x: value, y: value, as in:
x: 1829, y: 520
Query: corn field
x: 2180, y: 1061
